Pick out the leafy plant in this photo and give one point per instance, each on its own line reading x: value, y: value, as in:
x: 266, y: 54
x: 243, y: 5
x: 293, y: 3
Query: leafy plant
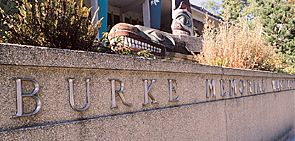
x: 278, y: 19
x: 8, y: 7
x: 231, y: 9
x: 103, y: 45
x: 290, y: 64
x: 118, y: 47
x: 53, y: 23
x: 146, y: 54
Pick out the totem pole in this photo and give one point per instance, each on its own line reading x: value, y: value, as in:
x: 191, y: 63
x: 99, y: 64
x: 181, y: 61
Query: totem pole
x: 182, y: 23
x: 137, y: 38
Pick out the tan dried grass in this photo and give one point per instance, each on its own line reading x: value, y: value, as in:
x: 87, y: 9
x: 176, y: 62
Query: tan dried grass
x: 238, y: 46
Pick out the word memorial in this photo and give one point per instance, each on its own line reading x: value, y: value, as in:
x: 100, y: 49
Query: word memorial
x: 236, y: 88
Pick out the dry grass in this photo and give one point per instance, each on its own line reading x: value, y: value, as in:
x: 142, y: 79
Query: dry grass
x: 238, y: 46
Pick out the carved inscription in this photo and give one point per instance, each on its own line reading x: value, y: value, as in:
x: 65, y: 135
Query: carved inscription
x: 20, y: 94
x: 118, y: 92
x: 148, y: 84
x: 87, y: 98
x: 214, y: 88
x: 235, y: 88
x: 210, y: 88
x: 172, y: 90
x: 250, y: 87
x: 232, y: 87
x: 222, y: 88
x: 241, y: 87
x: 280, y: 85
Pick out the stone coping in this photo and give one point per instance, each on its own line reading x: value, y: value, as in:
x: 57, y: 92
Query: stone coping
x: 24, y: 55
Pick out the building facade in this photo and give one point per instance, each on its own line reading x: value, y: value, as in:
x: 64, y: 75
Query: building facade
x: 150, y: 13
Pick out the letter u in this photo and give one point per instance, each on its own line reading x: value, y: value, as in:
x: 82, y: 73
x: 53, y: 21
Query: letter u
x: 72, y: 100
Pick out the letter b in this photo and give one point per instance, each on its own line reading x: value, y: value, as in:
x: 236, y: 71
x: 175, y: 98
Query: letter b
x: 20, y: 94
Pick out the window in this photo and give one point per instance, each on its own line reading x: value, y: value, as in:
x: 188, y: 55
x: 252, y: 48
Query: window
x: 117, y: 19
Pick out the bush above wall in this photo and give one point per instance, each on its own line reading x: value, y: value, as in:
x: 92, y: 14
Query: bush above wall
x: 58, y: 24
x: 239, y: 45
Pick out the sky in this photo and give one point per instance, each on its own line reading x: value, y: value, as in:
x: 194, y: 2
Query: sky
x: 199, y: 2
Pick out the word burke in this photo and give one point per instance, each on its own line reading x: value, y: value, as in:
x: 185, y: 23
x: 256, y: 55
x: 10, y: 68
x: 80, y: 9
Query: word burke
x: 117, y: 89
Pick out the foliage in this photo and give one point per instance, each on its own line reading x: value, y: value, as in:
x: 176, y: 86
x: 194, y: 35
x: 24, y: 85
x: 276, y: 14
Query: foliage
x: 145, y: 54
x: 119, y: 48
x: 238, y: 46
x: 231, y: 9
x: 9, y: 7
x: 58, y: 24
x: 278, y: 19
x: 290, y: 67
x: 104, y: 46
x: 212, y: 6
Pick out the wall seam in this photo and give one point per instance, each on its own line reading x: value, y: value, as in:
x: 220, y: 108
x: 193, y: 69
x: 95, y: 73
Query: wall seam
x: 226, y: 126
x: 225, y: 112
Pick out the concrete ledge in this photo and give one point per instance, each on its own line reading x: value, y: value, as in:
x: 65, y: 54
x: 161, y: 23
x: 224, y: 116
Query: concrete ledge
x: 11, y: 54
x: 47, y: 57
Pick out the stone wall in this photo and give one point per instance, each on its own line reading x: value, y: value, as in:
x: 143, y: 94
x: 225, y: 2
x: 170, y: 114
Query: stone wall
x: 131, y: 98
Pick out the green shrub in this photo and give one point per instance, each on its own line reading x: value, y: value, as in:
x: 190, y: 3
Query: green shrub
x: 53, y: 23
x: 8, y: 7
x: 103, y: 45
x: 290, y: 64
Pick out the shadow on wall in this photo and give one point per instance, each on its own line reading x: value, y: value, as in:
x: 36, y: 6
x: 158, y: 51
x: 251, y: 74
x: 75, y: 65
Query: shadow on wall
x: 285, y: 135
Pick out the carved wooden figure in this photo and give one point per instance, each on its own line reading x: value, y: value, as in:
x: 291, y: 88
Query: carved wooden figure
x: 182, y: 21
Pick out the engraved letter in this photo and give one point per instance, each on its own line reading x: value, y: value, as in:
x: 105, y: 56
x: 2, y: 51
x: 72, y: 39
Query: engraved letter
x: 232, y: 87
x: 275, y: 85
x: 254, y: 87
x: 72, y: 100
x: 284, y: 86
x: 250, y: 90
x: 210, y: 88
x: 281, y: 85
x: 222, y: 88
x: 118, y: 92
x: 264, y: 84
x: 147, y: 94
x: 288, y: 85
x: 20, y: 94
x: 172, y: 89
x: 241, y: 87
x: 259, y: 87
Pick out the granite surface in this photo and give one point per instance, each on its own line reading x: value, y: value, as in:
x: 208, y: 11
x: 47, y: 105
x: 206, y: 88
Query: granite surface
x: 259, y: 116
x: 11, y: 54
